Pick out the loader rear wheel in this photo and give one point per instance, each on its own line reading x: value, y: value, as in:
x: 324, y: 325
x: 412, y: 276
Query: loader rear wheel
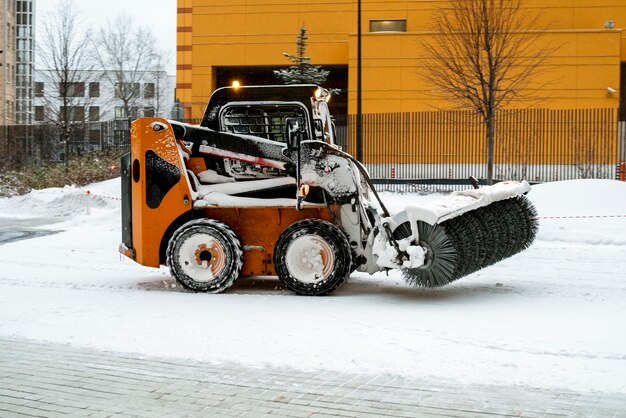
x: 312, y: 257
x: 205, y: 255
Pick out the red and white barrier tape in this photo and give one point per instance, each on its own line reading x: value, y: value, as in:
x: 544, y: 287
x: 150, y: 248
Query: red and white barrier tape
x: 581, y: 217
x: 103, y: 197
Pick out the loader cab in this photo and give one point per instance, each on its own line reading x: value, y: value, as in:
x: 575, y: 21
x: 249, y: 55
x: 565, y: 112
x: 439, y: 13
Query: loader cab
x: 262, y: 111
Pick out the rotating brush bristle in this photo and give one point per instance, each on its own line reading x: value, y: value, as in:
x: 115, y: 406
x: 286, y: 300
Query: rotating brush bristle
x: 523, y: 221
x: 472, y: 241
x: 441, y: 259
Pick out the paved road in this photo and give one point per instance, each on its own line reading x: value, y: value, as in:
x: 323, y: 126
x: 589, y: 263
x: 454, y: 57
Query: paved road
x: 50, y: 380
x: 12, y: 229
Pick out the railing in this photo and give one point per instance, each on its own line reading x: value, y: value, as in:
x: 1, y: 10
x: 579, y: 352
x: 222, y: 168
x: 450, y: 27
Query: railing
x: 533, y: 144
x: 27, y: 145
x: 621, y: 166
x: 414, y: 149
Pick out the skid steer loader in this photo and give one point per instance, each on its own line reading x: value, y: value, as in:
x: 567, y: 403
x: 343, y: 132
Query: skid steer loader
x: 259, y: 188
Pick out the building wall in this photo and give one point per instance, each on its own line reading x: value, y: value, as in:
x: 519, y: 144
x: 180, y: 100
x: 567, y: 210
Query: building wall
x: 216, y: 33
x: 105, y: 103
x: 25, y: 60
x: 7, y: 61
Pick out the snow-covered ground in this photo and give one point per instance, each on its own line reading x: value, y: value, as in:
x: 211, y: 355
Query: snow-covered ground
x: 552, y: 316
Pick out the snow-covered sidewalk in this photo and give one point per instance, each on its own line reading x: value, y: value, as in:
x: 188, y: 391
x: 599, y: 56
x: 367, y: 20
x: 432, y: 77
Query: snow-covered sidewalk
x: 552, y: 316
x: 56, y: 380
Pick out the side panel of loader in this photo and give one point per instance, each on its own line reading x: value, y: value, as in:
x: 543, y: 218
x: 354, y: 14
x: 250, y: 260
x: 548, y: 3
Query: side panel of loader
x: 158, y: 187
x: 159, y: 192
x: 258, y: 229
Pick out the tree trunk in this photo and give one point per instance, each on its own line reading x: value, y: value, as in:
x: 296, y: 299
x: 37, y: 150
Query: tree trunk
x: 490, y: 141
x: 66, y: 149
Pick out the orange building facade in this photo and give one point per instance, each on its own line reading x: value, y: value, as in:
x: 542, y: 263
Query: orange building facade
x: 219, y: 38
x: 220, y: 41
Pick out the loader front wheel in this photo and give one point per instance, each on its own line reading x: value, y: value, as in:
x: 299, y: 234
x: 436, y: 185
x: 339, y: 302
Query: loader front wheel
x: 312, y: 257
x: 205, y: 255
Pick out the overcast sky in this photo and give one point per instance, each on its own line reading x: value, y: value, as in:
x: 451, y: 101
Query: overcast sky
x: 159, y: 15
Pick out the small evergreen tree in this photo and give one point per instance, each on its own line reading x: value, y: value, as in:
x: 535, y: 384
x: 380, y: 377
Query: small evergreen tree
x: 302, y: 72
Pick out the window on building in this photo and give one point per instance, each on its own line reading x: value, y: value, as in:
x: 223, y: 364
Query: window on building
x: 78, y: 113
x: 148, y: 91
x: 120, y: 112
x: 23, y: 31
x: 94, y: 89
x: 39, y: 114
x: 72, y: 89
x: 94, y: 136
x: 78, y: 133
x: 148, y: 112
x: 39, y: 86
x: 397, y: 25
x: 127, y: 90
x: 74, y: 113
x: 94, y: 113
x: 134, y: 112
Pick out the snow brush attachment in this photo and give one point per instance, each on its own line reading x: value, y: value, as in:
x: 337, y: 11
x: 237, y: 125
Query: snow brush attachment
x: 471, y: 241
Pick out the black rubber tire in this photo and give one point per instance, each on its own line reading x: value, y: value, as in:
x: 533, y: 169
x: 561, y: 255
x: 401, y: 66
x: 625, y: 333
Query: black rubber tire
x: 335, y: 240
x: 227, y: 245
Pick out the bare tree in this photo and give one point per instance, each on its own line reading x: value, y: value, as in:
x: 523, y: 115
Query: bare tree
x: 484, y: 54
x: 65, y: 53
x: 157, y: 94
x: 129, y: 55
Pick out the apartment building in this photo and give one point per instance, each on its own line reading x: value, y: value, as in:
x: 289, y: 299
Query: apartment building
x: 97, y: 97
x: 24, y: 40
x: 7, y: 62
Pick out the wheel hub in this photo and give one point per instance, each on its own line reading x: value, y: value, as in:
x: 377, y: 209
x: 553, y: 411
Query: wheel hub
x: 428, y: 256
x: 310, y: 258
x: 202, y: 257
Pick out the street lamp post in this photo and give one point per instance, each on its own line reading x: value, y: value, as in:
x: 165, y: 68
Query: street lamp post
x: 359, y: 127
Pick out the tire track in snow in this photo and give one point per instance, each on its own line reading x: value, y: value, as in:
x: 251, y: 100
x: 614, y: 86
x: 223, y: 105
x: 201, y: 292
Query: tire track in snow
x: 481, y: 344
x: 5, y: 281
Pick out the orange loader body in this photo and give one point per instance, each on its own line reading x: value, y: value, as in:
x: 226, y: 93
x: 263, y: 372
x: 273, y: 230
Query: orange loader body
x: 258, y: 228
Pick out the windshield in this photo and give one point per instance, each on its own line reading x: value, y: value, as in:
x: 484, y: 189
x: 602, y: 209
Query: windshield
x: 266, y: 120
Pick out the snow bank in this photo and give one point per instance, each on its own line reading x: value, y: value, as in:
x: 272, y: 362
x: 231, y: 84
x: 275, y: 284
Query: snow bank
x: 64, y: 202
x: 581, y: 211
x: 580, y: 197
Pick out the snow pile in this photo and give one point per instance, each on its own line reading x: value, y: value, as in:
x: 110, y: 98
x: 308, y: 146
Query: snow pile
x: 212, y: 177
x: 461, y: 202
x: 245, y: 186
x: 582, y: 211
x: 62, y: 202
x: 551, y: 316
x: 337, y: 176
x: 580, y: 197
